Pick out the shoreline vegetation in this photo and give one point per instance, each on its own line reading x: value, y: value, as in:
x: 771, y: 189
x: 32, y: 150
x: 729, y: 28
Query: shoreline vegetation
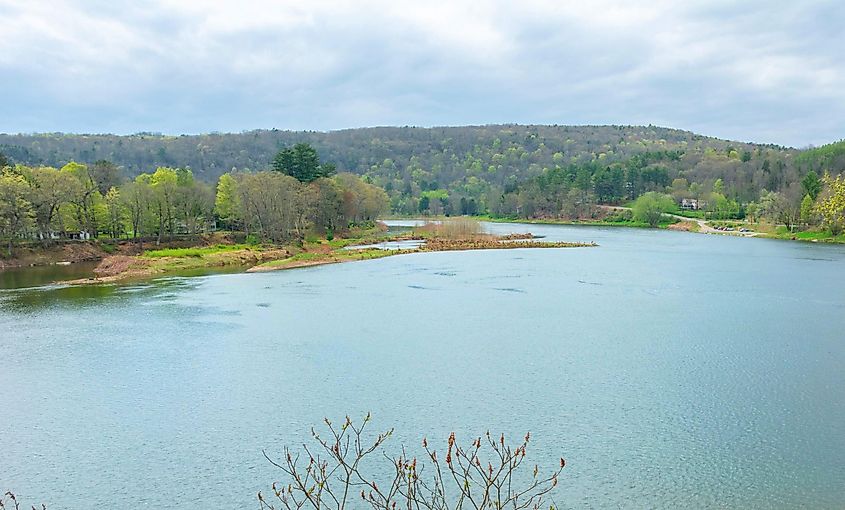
x: 676, y: 223
x: 290, y: 213
x: 735, y: 228
x: 128, y: 260
x: 458, y: 234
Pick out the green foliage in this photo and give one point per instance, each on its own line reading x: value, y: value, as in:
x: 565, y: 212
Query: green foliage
x: 108, y: 247
x: 721, y: 207
x: 302, y: 163
x: 16, y: 213
x: 506, y: 170
x: 830, y: 157
x: 623, y: 216
x: 831, y: 204
x: 45, y: 203
x: 436, y: 194
x: 312, y: 238
x: 812, y: 235
x: 650, y: 207
x: 811, y: 184
x: 701, y: 215
x: 280, y: 208
x: 807, y: 210
x: 194, y: 252
x: 227, y: 203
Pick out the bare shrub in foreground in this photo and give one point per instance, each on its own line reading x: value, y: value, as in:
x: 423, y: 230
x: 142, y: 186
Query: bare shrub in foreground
x: 9, y: 501
x: 480, y: 475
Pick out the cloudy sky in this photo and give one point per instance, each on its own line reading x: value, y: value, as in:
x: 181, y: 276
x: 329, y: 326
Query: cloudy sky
x: 764, y: 71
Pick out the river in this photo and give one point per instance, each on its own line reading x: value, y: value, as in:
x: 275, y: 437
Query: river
x: 669, y: 369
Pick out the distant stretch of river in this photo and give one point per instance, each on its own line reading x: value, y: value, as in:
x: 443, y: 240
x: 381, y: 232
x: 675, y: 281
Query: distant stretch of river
x: 671, y: 370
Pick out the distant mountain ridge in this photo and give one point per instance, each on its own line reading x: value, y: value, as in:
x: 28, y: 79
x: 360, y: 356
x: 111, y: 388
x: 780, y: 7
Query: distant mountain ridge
x: 467, y: 167
x: 355, y: 150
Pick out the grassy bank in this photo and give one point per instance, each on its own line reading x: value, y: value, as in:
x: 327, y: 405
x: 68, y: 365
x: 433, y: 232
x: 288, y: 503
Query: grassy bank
x: 812, y: 236
x: 462, y: 234
x: 197, y: 251
x: 305, y: 259
x: 756, y: 229
x: 182, y: 260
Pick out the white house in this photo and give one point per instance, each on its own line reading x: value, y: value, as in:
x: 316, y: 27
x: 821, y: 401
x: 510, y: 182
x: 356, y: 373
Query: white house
x: 692, y: 204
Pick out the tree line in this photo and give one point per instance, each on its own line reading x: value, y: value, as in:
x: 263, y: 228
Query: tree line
x: 822, y: 205
x: 456, y: 170
x: 280, y: 204
x: 501, y: 170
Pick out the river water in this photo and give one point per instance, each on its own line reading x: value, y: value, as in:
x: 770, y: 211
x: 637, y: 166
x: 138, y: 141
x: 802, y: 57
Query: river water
x: 669, y: 369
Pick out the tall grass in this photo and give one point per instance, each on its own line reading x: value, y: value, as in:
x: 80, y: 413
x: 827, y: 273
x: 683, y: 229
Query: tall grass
x: 194, y: 252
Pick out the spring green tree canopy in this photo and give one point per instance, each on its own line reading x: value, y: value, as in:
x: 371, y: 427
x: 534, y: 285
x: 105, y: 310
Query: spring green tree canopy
x: 831, y: 204
x: 807, y: 209
x: 15, y: 210
x: 649, y: 208
x: 505, y: 170
x: 227, y: 202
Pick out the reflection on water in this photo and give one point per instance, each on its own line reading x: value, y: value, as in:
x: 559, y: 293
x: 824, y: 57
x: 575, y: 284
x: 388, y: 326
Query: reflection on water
x: 32, y: 300
x: 21, y: 277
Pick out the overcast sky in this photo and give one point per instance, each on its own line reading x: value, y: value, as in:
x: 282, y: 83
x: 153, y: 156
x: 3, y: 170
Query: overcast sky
x: 763, y: 71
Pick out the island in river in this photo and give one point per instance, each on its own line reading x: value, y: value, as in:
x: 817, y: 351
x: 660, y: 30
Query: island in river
x: 217, y: 251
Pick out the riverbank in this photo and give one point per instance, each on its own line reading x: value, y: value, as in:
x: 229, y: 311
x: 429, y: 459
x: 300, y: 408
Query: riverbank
x: 212, y: 252
x: 808, y: 236
x: 68, y: 252
x: 312, y: 252
x: 679, y: 223
x: 117, y: 268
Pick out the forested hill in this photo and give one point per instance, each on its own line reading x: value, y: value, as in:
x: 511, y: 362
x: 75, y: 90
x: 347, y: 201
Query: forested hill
x: 443, y: 149
x: 446, y: 164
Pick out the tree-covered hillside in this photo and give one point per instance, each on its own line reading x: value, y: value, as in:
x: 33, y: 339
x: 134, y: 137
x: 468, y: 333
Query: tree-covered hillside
x: 502, y: 169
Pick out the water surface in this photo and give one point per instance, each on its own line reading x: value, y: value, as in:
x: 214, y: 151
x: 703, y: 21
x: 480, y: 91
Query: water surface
x: 670, y: 369
x: 22, y: 277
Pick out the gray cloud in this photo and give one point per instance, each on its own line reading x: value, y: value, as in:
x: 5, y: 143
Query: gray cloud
x: 765, y: 71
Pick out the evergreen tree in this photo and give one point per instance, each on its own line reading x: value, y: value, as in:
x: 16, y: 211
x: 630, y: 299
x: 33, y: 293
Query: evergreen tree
x: 302, y: 162
x: 812, y: 184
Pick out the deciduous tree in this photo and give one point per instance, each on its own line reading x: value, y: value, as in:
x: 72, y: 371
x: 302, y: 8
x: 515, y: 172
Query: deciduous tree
x: 650, y: 207
x: 16, y: 212
x: 831, y: 204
